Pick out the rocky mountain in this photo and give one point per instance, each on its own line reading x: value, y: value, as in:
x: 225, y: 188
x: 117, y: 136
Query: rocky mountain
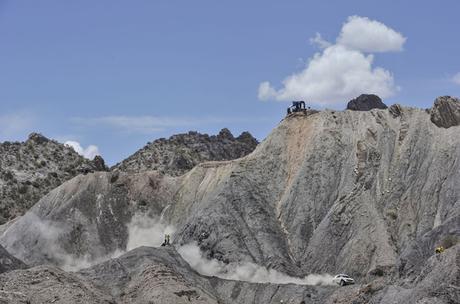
x: 180, y: 153
x: 367, y: 193
x: 30, y: 169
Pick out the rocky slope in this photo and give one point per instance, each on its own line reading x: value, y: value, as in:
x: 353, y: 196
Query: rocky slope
x: 30, y: 169
x: 180, y: 153
x: 145, y: 275
x: 160, y: 275
x: 9, y: 262
x: 368, y: 193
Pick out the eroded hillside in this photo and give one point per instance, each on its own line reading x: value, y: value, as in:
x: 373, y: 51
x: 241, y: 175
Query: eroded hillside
x: 368, y: 193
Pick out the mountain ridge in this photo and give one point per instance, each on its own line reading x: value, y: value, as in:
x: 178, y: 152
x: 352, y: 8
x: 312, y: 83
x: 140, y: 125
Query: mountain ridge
x: 181, y: 152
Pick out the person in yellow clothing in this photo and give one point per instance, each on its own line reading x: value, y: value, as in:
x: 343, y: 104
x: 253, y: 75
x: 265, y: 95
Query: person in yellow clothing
x: 439, y: 249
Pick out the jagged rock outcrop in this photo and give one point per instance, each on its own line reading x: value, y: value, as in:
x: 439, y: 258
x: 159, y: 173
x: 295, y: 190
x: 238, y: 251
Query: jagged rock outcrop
x: 180, y: 153
x: 366, y: 102
x: 30, y: 169
x: 368, y: 193
x: 445, y: 112
x: 9, y: 262
x: 395, y: 110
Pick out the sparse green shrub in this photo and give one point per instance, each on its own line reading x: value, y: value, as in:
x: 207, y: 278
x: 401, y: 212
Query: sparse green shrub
x: 8, y: 175
x: 378, y: 272
x: 22, y: 189
x: 70, y: 171
x: 392, y: 213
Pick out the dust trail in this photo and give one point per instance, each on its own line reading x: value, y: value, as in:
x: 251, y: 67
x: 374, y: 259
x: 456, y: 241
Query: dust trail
x: 248, y: 272
x: 146, y: 231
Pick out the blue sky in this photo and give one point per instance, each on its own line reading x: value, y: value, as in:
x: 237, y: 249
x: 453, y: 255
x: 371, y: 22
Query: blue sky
x: 117, y: 74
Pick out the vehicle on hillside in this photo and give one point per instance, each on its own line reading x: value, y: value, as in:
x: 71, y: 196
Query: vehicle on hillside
x: 343, y: 279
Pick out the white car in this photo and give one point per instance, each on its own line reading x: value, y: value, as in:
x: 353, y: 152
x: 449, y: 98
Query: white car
x: 343, y: 279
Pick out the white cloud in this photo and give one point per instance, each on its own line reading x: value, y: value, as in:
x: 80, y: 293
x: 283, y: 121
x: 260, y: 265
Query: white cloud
x: 367, y: 35
x: 456, y: 78
x: 341, y: 71
x: 320, y: 42
x: 266, y: 91
x: 334, y: 76
x: 89, y: 152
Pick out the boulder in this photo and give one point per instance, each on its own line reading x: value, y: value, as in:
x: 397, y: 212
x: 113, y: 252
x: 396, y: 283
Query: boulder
x: 37, y: 138
x: 99, y: 163
x: 366, y: 102
x: 225, y: 134
x: 445, y: 112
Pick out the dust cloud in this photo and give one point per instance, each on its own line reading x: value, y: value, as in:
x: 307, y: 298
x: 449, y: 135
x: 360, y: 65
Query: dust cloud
x: 147, y: 231
x: 246, y: 271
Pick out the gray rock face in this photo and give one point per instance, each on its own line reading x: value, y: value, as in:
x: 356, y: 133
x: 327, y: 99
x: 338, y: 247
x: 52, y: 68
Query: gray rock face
x: 48, y: 284
x: 445, y: 112
x: 329, y: 197
x: 368, y: 193
x: 9, y: 262
x: 180, y: 153
x: 29, y: 170
x: 366, y: 102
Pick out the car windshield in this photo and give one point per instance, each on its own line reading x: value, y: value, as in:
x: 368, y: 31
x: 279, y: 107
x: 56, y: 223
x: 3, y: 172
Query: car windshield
x: 342, y: 276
